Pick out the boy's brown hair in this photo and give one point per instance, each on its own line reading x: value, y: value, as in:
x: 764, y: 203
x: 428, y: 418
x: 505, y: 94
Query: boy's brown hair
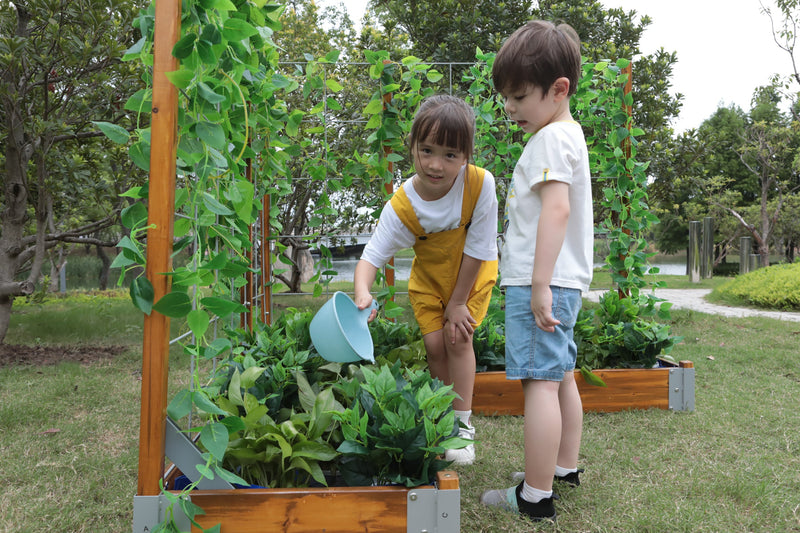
x: 445, y: 120
x: 538, y: 53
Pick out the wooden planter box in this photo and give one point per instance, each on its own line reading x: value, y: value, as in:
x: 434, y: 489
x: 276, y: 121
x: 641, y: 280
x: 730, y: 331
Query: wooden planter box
x: 636, y: 388
x: 384, y: 509
x: 313, y: 510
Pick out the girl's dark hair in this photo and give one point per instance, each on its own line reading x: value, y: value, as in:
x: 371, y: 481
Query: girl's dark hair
x: 445, y: 120
x: 538, y: 53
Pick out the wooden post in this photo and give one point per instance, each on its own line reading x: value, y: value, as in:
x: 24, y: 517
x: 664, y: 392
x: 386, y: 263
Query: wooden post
x: 161, y: 207
x: 388, y: 270
x: 626, y: 147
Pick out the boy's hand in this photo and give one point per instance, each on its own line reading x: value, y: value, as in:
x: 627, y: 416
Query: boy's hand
x: 457, y: 318
x: 542, y: 307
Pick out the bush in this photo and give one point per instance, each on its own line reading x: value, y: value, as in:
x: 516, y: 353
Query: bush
x: 774, y: 287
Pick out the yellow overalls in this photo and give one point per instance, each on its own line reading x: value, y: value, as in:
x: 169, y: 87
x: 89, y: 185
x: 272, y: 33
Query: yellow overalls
x: 437, y: 260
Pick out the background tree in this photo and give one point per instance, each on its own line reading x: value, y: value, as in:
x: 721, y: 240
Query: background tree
x: 59, y: 71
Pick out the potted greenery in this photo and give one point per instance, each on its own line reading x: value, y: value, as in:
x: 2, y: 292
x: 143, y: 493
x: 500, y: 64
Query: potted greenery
x: 398, y: 428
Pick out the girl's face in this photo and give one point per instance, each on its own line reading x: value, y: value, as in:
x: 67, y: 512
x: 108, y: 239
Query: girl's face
x: 437, y: 168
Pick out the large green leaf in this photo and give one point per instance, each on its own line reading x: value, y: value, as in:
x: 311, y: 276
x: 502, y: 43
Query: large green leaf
x: 212, y: 134
x: 222, y: 307
x: 116, y: 133
x: 238, y: 29
x: 214, y: 437
x: 174, y: 305
x: 142, y: 294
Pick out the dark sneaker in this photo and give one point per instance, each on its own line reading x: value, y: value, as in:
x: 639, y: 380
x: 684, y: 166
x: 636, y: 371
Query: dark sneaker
x: 511, y: 500
x: 572, y: 479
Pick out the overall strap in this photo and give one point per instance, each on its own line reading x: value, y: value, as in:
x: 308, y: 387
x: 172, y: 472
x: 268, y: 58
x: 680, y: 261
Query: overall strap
x: 402, y: 206
x: 473, y: 183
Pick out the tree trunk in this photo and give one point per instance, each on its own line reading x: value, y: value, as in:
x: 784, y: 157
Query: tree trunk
x: 104, y: 268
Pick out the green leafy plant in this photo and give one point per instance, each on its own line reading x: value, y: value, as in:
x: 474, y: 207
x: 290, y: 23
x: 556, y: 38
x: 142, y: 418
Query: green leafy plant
x: 398, y: 341
x: 622, y: 333
x: 400, y: 425
x: 489, y: 339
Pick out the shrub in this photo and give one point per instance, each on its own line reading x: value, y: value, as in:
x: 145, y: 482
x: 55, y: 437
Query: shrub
x: 774, y: 287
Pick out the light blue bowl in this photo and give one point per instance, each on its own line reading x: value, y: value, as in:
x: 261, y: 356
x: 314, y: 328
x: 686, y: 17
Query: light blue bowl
x: 339, y: 331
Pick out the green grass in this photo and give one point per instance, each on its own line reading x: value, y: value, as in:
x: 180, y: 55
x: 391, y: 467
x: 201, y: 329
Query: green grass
x: 731, y: 465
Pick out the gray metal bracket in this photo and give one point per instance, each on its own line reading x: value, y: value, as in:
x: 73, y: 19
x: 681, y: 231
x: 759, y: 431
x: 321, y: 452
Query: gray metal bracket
x: 149, y: 511
x: 431, y: 510
x: 681, y: 389
x: 186, y: 456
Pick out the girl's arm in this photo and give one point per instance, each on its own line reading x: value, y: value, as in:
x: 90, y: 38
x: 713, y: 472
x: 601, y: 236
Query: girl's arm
x: 363, y: 278
x: 456, y: 315
x: 549, y: 238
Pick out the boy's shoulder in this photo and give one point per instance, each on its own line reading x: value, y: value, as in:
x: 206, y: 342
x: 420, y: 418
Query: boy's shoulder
x: 558, y: 134
x: 568, y: 128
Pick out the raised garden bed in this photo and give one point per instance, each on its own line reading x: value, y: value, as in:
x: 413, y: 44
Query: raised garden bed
x: 669, y: 387
x: 384, y: 509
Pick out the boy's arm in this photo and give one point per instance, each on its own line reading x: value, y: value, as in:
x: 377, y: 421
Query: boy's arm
x: 363, y: 278
x: 549, y: 238
x: 456, y: 315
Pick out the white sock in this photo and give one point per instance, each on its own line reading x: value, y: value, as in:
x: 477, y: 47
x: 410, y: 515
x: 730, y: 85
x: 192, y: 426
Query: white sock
x: 561, y: 471
x: 463, y: 416
x: 533, y: 495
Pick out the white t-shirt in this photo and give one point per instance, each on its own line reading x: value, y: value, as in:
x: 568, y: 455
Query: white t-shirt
x: 391, y: 235
x: 557, y: 152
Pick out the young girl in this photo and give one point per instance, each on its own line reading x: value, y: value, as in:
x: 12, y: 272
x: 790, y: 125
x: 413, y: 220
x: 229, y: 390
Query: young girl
x: 447, y: 212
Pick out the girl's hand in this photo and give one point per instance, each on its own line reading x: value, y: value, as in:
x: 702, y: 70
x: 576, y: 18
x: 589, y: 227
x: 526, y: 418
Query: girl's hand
x: 363, y: 301
x: 457, y: 318
x: 542, y: 307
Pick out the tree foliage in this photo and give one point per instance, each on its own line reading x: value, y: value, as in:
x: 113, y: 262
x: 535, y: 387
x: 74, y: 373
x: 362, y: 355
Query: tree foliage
x: 60, y: 77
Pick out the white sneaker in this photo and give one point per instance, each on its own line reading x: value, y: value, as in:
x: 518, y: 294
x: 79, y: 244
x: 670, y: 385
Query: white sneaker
x: 464, y: 456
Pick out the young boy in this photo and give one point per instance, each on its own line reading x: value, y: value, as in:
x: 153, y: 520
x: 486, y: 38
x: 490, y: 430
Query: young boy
x: 546, y: 260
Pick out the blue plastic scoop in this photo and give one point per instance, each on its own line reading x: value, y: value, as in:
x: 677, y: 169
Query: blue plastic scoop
x: 339, y: 330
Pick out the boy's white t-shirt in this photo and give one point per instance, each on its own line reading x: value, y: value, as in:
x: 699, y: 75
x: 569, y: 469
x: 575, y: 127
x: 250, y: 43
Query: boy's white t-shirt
x: 557, y: 152
x: 391, y: 235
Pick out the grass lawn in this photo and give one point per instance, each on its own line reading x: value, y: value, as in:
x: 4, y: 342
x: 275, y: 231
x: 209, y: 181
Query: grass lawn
x: 69, y: 438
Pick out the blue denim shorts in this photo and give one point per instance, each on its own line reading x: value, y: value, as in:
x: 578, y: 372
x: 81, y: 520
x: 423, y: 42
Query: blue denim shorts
x: 532, y: 353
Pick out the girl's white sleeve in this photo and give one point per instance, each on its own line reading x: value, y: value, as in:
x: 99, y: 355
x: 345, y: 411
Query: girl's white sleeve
x: 482, y: 233
x: 390, y: 236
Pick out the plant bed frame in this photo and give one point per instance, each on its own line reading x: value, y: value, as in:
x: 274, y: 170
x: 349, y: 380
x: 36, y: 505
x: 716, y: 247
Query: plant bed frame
x: 384, y: 509
x: 669, y: 387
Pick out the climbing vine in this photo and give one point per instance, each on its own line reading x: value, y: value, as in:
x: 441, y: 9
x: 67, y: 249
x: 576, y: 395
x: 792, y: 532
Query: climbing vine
x: 239, y: 109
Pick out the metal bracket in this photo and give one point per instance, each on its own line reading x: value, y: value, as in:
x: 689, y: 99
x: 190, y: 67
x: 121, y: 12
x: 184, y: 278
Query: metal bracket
x: 431, y: 510
x: 149, y: 511
x: 681, y: 389
x: 186, y: 456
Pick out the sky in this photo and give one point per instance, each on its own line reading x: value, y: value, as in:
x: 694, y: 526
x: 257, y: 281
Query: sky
x: 725, y: 49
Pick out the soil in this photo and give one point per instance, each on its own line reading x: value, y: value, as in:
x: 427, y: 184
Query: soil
x: 16, y: 354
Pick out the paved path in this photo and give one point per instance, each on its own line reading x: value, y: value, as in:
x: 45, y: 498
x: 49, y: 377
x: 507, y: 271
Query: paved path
x: 695, y: 300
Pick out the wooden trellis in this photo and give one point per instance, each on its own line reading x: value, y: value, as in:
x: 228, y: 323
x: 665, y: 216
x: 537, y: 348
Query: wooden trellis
x: 433, y: 508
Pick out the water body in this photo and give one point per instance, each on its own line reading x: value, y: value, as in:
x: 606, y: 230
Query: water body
x: 345, y: 267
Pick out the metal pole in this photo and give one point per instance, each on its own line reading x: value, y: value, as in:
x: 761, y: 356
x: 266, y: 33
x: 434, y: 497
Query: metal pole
x: 693, y: 258
x: 745, y: 246
x: 707, y: 261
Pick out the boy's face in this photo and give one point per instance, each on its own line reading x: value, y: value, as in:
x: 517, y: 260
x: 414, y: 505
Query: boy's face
x: 531, y: 108
x: 437, y: 168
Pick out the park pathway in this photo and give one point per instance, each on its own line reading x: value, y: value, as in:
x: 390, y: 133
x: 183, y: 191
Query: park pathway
x: 695, y: 299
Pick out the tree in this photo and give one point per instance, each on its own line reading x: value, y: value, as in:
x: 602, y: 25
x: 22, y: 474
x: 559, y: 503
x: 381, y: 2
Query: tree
x: 450, y: 30
x: 59, y: 72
